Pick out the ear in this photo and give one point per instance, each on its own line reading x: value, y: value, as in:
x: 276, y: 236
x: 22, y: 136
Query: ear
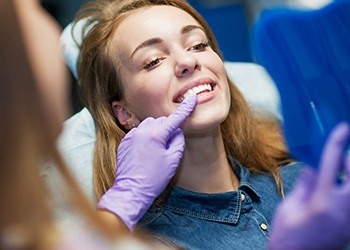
x: 126, y: 118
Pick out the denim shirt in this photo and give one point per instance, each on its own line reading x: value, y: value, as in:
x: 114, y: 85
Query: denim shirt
x: 233, y: 220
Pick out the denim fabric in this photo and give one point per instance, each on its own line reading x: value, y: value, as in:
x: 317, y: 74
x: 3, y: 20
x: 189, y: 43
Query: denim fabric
x: 231, y: 220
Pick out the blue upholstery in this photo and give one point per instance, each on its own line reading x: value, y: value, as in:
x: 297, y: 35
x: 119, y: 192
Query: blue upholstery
x: 307, y: 53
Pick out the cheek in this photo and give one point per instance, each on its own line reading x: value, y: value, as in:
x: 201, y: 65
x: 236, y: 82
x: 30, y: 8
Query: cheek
x: 205, y: 119
x: 147, y: 104
x: 217, y: 65
x: 148, y: 97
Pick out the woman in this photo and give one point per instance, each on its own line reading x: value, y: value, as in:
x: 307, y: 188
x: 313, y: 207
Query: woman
x: 228, y: 180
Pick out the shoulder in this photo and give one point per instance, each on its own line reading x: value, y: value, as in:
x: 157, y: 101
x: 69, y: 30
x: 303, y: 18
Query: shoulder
x: 289, y: 174
x: 265, y: 184
x: 291, y: 170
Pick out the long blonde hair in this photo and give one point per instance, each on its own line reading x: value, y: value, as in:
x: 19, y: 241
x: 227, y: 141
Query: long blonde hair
x: 27, y: 140
x: 254, y: 141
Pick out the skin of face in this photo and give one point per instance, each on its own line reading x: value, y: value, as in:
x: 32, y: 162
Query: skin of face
x: 164, y: 52
x: 41, y: 36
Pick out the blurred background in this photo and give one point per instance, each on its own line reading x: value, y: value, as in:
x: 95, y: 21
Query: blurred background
x: 231, y: 21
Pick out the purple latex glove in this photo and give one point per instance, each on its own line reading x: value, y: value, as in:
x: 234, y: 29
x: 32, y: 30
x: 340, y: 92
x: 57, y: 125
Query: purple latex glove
x: 147, y: 157
x: 316, y: 215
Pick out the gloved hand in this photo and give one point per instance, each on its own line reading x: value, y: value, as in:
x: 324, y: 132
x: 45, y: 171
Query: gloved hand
x: 147, y: 158
x: 316, y: 215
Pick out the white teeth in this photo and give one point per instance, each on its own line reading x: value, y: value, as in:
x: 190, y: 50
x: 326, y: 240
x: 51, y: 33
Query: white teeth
x: 195, y: 90
x: 201, y: 88
x: 198, y: 89
x: 190, y: 91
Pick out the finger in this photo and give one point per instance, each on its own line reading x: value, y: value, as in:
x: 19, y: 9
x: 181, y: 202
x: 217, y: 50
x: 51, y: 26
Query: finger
x: 347, y: 172
x: 146, y: 122
x: 347, y: 163
x: 177, y: 118
x: 332, y: 156
x: 177, y: 141
x: 305, y: 185
x: 176, y: 147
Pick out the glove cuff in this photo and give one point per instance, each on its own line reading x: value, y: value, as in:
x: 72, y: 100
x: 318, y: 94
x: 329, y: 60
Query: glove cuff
x: 125, y: 204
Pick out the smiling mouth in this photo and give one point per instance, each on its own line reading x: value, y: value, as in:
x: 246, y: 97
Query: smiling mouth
x: 203, y: 88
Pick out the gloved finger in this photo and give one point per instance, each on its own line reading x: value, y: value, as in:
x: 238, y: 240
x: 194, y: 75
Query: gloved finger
x: 332, y: 157
x: 347, y: 172
x: 175, y: 119
x: 176, y: 144
x: 347, y: 164
x: 305, y: 185
x: 146, y: 122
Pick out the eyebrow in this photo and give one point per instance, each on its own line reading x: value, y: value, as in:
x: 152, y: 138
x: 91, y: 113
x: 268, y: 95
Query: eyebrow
x: 189, y: 28
x: 157, y: 40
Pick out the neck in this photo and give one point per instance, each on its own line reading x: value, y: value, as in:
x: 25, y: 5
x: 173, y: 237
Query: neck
x: 204, y: 167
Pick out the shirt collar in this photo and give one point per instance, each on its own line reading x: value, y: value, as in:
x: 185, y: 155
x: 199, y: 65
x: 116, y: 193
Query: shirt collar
x: 223, y: 207
x: 245, y: 182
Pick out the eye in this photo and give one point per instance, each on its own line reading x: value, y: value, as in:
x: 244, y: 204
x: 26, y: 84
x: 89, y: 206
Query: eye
x: 152, y: 63
x: 200, y: 46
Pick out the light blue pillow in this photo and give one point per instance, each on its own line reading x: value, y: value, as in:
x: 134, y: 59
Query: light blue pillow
x: 70, y: 40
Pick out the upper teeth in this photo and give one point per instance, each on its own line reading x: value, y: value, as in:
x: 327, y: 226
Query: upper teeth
x: 198, y: 89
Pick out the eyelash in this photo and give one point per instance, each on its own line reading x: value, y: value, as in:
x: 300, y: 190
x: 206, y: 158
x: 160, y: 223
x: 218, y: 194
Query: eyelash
x: 153, y: 62
x: 202, y: 46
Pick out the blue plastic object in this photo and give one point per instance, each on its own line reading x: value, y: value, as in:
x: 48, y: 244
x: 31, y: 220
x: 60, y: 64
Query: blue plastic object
x: 307, y: 54
x: 228, y: 21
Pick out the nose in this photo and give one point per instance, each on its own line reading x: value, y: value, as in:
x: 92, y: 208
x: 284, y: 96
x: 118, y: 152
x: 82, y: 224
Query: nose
x: 186, y: 64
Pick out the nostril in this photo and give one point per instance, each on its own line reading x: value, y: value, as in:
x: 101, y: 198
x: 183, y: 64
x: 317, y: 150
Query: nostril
x: 184, y: 71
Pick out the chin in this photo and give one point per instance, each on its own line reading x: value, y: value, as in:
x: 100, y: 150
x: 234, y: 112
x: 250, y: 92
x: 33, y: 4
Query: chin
x: 203, y: 124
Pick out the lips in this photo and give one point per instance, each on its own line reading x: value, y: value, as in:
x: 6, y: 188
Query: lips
x: 198, y: 87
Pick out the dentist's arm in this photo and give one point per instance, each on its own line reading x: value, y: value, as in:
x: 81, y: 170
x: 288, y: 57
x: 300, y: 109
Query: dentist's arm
x: 316, y: 215
x: 147, y: 159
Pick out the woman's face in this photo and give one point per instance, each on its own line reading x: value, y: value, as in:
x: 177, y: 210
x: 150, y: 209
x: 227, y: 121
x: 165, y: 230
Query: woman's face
x: 163, y: 55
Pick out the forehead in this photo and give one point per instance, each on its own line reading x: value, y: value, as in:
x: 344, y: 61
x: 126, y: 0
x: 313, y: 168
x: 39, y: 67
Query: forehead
x: 155, y: 21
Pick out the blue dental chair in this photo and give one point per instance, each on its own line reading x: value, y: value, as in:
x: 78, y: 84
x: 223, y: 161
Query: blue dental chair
x: 307, y: 53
